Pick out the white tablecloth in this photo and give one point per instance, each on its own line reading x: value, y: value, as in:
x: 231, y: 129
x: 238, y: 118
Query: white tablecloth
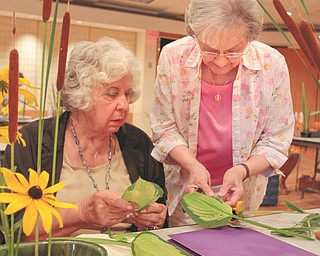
x: 274, y: 220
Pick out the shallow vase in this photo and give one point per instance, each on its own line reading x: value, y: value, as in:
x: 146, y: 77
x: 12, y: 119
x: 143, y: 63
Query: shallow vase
x: 60, y: 248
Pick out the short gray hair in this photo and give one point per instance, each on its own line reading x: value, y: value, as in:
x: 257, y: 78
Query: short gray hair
x: 203, y: 17
x: 92, y: 63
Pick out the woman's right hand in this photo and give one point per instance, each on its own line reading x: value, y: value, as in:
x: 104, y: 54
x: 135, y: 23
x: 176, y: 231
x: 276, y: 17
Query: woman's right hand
x: 104, y: 209
x: 199, y: 179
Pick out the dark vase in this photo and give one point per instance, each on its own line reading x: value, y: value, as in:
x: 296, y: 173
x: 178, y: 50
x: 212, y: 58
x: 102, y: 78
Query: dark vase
x: 60, y: 248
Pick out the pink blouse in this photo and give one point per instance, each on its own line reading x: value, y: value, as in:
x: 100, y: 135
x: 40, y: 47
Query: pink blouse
x: 214, y: 149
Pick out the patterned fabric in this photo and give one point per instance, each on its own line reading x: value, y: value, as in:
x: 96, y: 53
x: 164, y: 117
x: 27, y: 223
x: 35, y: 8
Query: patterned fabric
x: 262, y: 113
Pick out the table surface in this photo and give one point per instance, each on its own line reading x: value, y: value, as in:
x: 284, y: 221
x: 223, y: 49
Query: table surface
x: 307, y: 141
x: 274, y: 220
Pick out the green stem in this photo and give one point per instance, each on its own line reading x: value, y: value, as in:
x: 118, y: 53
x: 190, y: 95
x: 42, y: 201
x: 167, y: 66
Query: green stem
x: 12, y: 215
x: 285, y: 232
x: 291, y: 44
x: 36, y: 240
x: 94, y: 240
x: 18, y: 240
x: 56, y: 133
x: 41, y: 101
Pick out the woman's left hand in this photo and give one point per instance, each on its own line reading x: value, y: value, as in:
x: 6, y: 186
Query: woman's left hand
x: 231, y: 190
x: 151, y: 217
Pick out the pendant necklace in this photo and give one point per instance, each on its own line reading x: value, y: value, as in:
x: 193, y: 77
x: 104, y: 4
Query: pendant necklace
x: 84, y: 162
x: 218, y: 96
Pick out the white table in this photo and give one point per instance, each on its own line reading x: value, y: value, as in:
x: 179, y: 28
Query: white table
x: 274, y: 220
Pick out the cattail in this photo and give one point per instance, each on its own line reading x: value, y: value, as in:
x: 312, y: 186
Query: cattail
x: 294, y: 29
x: 13, y: 94
x: 64, y: 41
x: 311, y: 40
x: 46, y: 10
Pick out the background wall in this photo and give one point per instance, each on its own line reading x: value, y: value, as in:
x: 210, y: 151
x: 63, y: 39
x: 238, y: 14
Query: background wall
x: 141, y: 33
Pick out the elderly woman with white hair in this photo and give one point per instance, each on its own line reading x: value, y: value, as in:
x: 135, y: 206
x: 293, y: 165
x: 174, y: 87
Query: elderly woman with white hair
x: 99, y: 155
x: 222, y: 116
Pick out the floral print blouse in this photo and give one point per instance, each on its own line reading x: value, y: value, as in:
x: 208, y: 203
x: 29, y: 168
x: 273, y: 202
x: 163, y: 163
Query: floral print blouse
x: 262, y: 113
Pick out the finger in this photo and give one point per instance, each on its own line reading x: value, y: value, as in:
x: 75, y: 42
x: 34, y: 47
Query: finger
x: 191, y: 188
x: 206, y: 189
x: 118, y: 204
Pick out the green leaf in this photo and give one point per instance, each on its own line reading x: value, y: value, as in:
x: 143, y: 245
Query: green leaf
x: 142, y: 193
x: 304, y: 110
x: 312, y: 221
x: 293, y: 207
x: 93, y: 240
x: 120, y: 236
x: 206, y: 211
x: 149, y: 244
x: 293, y: 230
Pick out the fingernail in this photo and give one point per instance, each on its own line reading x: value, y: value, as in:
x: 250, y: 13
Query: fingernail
x: 143, y: 211
x: 135, y: 213
x: 129, y: 207
x: 129, y: 215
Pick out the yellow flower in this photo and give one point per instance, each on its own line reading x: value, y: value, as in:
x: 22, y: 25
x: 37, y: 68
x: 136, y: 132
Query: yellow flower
x: 34, y: 197
x: 30, y: 98
x: 238, y: 208
x: 4, y: 136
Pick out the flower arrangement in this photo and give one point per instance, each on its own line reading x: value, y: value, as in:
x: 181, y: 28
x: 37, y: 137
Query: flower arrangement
x: 304, y: 33
x: 34, y: 195
x: 29, y: 98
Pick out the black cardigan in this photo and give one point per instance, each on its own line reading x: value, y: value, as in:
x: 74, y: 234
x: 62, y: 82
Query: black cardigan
x: 135, y: 146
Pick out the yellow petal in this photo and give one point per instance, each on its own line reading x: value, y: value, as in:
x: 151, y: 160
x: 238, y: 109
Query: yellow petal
x: 23, y: 180
x: 30, y: 98
x: 54, y: 188
x: 29, y: 218
x: 45, y: 214
x: 59, y: 204
x: 24, y: 81
x: 4, y: 139
x: 1, y: 97
x: 6, y: 197
x: 17, y: 204
x: 4, y: 74
x: 20, y: 139
x: 4, y: 109
x: 58, y: 216
x: 33, y: 178
x: 43, y: 180
x: 12, y: 181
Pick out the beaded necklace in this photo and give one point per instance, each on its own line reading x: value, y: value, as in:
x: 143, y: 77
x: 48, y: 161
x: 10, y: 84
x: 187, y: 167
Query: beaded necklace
x: 84, y: 162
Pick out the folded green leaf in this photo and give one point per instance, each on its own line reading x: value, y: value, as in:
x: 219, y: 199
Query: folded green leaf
x: 149, y: 244
x: 294, y: 230
x: 206, y: 211
x: 311, y: 221
x: 143, y: 193
x: 293, y: 207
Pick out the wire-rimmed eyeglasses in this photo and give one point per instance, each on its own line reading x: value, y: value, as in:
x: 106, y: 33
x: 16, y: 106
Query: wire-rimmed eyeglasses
x: 231, y: 56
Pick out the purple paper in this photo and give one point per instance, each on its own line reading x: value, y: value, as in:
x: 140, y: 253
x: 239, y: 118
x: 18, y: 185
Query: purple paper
x: 228, y: 241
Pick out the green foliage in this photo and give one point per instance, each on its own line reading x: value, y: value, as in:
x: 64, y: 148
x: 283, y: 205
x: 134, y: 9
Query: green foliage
x: 206, y: 211
x: 142, y: 193
x: 149, y: 244
x: 210, y: 212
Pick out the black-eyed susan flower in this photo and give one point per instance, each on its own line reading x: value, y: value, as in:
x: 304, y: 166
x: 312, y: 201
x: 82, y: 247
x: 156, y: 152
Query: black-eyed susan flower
x: 30, y: 98
x: 4, y: 136
x: 34, y: 196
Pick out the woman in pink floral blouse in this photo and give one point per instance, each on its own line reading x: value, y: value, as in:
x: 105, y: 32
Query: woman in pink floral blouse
x: 222, y: 112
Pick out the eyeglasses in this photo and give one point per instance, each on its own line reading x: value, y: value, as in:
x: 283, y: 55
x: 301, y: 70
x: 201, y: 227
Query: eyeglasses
x: 231, y: 56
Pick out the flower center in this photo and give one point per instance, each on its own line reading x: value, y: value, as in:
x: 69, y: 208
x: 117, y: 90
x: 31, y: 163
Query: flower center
x: 35, y: 192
